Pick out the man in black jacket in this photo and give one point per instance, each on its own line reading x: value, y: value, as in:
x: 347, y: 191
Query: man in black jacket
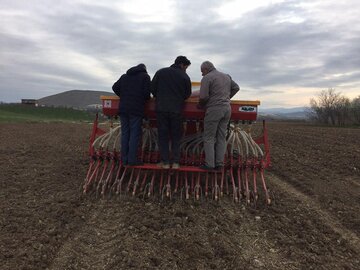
x: 171, y: 86
x: 133, y: 88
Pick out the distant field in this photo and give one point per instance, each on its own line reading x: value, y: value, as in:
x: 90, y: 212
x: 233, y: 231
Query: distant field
x: 25, y: 113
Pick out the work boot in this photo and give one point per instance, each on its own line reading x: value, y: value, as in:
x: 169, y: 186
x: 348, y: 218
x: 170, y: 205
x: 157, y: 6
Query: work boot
x: 166, y: 166
x: 163, y: 165
x: 160, y: 164
x: 175, y: 166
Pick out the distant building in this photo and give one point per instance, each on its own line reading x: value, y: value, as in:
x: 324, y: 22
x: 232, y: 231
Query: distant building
x: 32, y: 102
x: 93, y: 107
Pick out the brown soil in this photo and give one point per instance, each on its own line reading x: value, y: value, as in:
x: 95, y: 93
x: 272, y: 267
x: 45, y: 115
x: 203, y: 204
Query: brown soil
x: 46, y: 222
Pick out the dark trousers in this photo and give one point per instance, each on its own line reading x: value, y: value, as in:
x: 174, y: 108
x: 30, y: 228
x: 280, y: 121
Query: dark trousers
x: 131, y: 129
x: 169, y: 129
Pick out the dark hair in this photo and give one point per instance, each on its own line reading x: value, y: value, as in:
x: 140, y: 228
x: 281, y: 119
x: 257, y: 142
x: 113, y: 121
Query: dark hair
x: 182, y: 60
x: 142, y: 66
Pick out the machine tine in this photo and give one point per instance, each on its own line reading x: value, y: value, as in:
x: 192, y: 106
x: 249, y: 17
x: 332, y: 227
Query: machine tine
x: 168, y: 186
x: 161, y: 180
x: 102, y: 178
x: 143, y: 181
x: 118, y: 190
x: 136, y: 182
x: 151, y: 188
x: 267, y: 197
x: 206, y: 184
x: 192, y: 181
x: 108, y: 179
x: 227, y: 185
x: 247, y: 192
x: 186, y: 187
x: 233, y: 184
x: 239, y: 183
x: 216, y: 188
x: 177, y: 175
x: 93, y: 176
x: 130, y: 179
x: 197, y: 188
x: 216, y: 192
x: 88, y: 179
x: 167, y: 191
x: 256, y: 196
x: 145, y: 188
x: 187, y: 193
x: 254, y: 200
x: 197, y: 192
x: 181, y: 193
x: 223, y: 174
x: 117, y: 179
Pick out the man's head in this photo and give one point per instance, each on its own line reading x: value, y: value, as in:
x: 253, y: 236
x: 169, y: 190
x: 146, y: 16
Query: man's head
x: 206, y: 67
x: 183, y: 62
x: 142, y: 66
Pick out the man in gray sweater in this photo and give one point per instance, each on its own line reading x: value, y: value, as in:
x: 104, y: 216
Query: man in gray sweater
x: 216, y: 90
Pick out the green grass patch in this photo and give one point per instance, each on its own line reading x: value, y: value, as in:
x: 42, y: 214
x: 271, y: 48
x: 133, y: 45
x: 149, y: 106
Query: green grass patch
x: 17, y: 113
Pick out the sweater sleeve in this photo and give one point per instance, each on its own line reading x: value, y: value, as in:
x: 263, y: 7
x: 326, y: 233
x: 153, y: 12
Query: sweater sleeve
x: 204, y: 88
x: 234, y: 88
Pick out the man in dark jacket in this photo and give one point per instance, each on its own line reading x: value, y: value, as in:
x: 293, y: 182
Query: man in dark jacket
x: 133, y: 88
x: 171, y: 86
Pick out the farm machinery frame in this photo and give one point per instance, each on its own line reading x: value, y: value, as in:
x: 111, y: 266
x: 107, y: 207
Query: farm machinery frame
x: 244, y: 165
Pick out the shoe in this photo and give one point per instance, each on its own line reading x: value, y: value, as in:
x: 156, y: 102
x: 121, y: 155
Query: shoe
x: 207, y: 168
x: 138, y: 163
x: 166, y: 166
x: 163, y: 165
x: 175, y: 166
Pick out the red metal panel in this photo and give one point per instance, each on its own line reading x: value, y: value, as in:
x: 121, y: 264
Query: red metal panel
x: 240, y: 110
x: 110, y: 105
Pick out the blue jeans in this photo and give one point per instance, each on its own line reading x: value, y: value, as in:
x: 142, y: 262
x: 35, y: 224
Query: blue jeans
x: 130, y: 137
x: 169, y: 129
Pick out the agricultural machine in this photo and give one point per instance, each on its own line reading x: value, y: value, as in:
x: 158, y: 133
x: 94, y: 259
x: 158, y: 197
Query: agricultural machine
x: 245, y: 161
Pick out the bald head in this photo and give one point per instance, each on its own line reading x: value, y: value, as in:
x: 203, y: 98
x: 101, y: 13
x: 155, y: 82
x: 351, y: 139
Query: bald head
x: 206, y: 67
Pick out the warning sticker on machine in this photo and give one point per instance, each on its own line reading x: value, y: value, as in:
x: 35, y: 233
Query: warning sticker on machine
x: 107, y: 103
x: 247, y: 109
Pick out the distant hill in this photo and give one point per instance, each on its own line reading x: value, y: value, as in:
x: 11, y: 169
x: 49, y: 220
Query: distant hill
x: 79, y: 99
x: 85, y: 99
x: 284, y: 113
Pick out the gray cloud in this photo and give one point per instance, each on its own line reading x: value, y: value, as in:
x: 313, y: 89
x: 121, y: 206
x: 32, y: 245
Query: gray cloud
x: 46, y: 48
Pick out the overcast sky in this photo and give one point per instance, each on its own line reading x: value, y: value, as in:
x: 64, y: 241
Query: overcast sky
x: 279, y: 52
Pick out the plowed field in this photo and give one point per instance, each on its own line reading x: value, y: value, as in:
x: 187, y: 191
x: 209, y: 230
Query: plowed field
x: 46, y: 222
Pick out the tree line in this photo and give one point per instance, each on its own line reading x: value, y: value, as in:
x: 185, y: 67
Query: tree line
x: 333, y: 108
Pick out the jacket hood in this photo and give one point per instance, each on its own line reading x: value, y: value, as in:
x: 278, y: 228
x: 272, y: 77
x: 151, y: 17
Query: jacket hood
x: 136, y: 69
x: 175, y: 66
